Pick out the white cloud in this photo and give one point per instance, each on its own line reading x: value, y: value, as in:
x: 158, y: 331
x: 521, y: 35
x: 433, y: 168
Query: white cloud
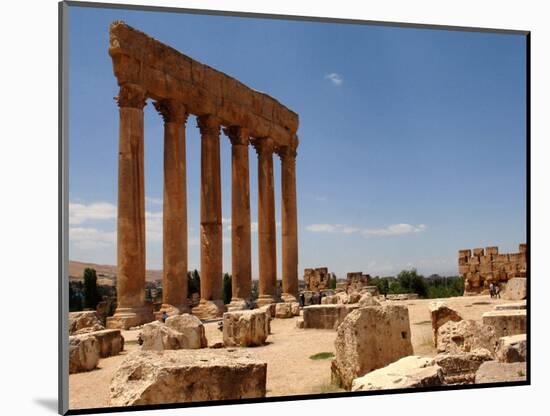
x: 91, y: 238
x: 394, y: 229
x: 253, y: 225
x: 335, y: 78
x: 79, y: 213
x: 151, y: 200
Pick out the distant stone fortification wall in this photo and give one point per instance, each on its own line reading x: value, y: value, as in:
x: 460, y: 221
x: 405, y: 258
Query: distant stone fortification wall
x: 316, y: 279
x: 479, y: 267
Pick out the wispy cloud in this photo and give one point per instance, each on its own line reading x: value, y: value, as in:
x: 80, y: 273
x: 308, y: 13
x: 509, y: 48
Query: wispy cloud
x: 393, y: 229
x: 155, y: 201
x: 335, y: 78
x: 91, y: 238
x: 80, y: 213
x: 226, y: 222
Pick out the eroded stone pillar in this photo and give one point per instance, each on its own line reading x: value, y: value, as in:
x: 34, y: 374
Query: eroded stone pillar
x: 266, y: 223
x: 241, y: 269
x: 174, y: 278
x: 289, y: 223
x: 131, y: 308
x: 211, y: 304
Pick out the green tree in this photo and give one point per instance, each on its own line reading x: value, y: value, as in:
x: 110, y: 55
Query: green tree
x: 333, y: 281
x: 193, y: 283
x: 227, y: 288
x: 91, y: 291
x: 412, y: 282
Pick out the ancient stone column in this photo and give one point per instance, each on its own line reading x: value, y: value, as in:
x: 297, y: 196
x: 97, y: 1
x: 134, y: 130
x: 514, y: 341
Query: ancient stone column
x: 131, y: 309
x: 289, y: 223
x: 241, y: 269
x: 211, y: 304
x: 174, y: 277
x: 266, y: 223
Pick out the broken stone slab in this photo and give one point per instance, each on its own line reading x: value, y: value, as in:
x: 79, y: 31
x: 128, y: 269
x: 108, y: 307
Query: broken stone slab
x: 367, y: 300
x: 111, y: 342
x: 440, y: 314
x: 84, y: 322
x: 283, y: 310
x: 497, y: 372
x: 354, y: 297
x: 245, y: 328
x: 200, y: 375
x: 512, y: 349
x: 506, y: 322
x: 83, y: 353
x: 461, y: 368
x: 157, y: 336
x: 295, y: 308
x: 191, y: 328
x: 408, y: 372
x: 465, y: 336
x: 516, y: 289
x: 370, y: 338
x: 326, y: 316
x: 300, y: 324
x: 511, y: 306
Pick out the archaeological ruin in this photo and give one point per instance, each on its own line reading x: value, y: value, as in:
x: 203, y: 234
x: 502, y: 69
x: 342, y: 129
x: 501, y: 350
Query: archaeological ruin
x: 481, y: 267
x: 317, y: 279
x: 180, y: 86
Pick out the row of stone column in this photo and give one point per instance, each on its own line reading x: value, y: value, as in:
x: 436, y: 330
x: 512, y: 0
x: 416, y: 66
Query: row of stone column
x: 131, y: 214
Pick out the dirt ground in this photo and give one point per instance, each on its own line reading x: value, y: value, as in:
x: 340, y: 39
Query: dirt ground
x: 290, y: 371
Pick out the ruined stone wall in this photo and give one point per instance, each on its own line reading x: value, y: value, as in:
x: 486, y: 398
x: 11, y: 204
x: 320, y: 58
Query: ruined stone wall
x: 479, y: 267
x: 317, y: 279
x: 356, y: 281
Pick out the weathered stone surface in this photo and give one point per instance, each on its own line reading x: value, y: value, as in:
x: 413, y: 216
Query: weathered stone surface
x: 368, y: 300
x: 84, y: 322
x: 329, y: 300
x: 326, y: 316
x: 512, y: 349
x: 461, y: 368
x: 407, y: 372
x: 354, y: 297
x: 370, y: 338
x: 465, y: 336
x: 111, y: 342
x: 191, y: 328
x: 441, y: 314
x: 83, y: 353
x: 497, y: 372
x: 295, y: 308
x: 283, y: 310
x: 507, y: 322
x: 510, y: 306
x: 403, y: 296
x: 245, y: 328
x: 516, y: 289
x: 300, y: 324
x: 150, y: 377
x: 316, y: 279
x: 158, y: 337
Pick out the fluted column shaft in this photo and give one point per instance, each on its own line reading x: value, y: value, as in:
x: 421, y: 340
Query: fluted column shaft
x: 266, y: 222
x: 289, y: 224
x: 174, y: 284
x: 241, y: 269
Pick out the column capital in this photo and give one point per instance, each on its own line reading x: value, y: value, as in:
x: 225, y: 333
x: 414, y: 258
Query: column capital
x: 264, y: 146
x: 238, y: 135
x: 172, y: 111
x: 131, y: 95
x: 209, y: 124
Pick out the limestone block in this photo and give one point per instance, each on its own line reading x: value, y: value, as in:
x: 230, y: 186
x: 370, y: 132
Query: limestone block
x: 523, y: 248
x: 283, y: 310
x: 512, y: 349
x: 191, y: 328
x: 491, y: 251
x: 368, y: 300
x: 354, y: 297
x: 245, y: 328
x: 329, y: 300
x: 461, y: 368
x: 441, y: 314
x: 516, y: 289
x: 83, y: 353
x: 507, y: 322
x: 479, y: 252
x: 326, y: 316
x: 83, y: 322
x: 511, y: 306
x: 370, y: 338
x: 111, y: 342
x: 295, y: 308
x: 497, y: 372
x: 408, y: 372
x: 158, y: 337
x: 300, y: 323
x: 464, y: 253
x: 465, y: 336
x: 202, y: 375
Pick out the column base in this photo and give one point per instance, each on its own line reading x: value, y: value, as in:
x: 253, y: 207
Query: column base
x: 265, y: 300
x: 237, y: 305
x: 126, y: 318
x: 209, y: 309
x: 287, y: 297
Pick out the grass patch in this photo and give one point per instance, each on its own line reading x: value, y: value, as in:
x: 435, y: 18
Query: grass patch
x: 521, y: 373
x: 321, y: 356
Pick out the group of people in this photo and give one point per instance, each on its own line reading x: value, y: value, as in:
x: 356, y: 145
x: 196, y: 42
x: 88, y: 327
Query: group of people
x: 315, y: 298
x: 494, y: 290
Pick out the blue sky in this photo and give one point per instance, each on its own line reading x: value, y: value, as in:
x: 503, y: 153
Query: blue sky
x: 412, y: 142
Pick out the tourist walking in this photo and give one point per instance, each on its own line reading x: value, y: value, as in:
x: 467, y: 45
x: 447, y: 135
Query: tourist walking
x: 492, y: 290
x: 497, y: 291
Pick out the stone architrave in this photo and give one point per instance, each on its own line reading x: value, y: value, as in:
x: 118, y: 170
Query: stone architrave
x: 289, y: 223
x: 205, y: 375
x: 174, y: 281
x: 211, y: 304
x: 131, y: 308
x: 241, y: 251
x: 266, y: 223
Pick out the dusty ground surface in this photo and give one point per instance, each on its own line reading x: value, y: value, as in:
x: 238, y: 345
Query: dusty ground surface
x: 289, y: 369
